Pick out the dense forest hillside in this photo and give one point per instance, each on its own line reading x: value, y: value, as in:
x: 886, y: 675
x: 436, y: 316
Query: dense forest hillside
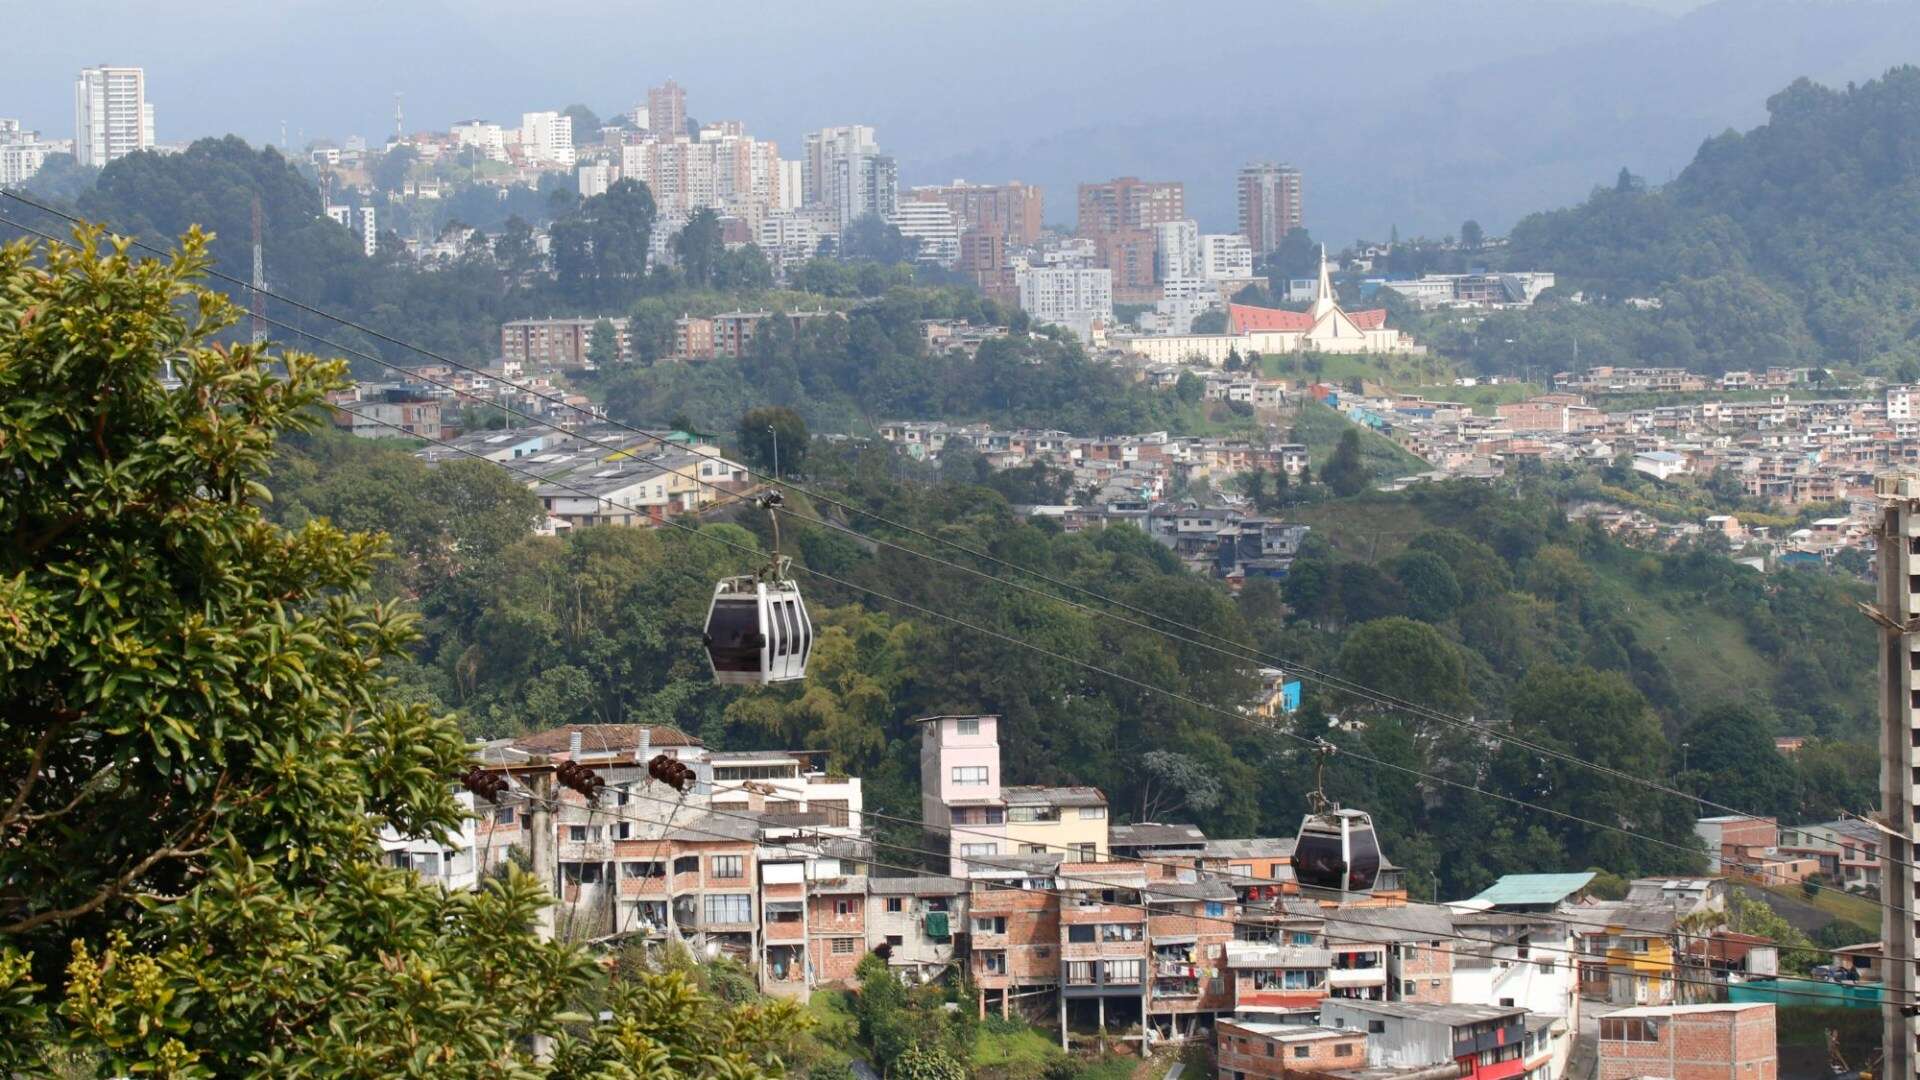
x: 1788, y: 244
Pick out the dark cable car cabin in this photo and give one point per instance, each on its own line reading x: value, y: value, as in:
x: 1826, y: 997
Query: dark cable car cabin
x: 1337, y: 856
x: 758, y: 632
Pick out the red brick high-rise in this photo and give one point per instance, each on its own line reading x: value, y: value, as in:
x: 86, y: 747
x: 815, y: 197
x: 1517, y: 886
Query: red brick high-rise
x: 1129, y: 202
x: 1012, y: 210
x: 1269, y: 201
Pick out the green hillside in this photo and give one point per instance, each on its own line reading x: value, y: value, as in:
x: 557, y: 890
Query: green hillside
x: 1790, y: 244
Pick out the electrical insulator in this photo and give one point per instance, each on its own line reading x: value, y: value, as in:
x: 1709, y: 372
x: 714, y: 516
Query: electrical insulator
x: 671, y: 771
x: 580, y: 778
x: 487, y: 785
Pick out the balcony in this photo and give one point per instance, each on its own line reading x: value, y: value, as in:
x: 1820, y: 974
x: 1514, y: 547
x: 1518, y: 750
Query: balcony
x: 1351, y: 978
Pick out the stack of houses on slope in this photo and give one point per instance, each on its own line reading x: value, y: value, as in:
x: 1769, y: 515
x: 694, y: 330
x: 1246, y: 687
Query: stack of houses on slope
x: 1051, y: 910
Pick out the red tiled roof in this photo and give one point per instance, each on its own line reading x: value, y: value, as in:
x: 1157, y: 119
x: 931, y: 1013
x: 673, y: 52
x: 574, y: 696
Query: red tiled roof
x: 599, y: 738
x: 1245, y: 317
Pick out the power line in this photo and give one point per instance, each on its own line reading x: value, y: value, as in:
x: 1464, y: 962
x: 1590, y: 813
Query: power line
x: 908, y: 604
x: 1243, y: 653
x: 1096, y: 669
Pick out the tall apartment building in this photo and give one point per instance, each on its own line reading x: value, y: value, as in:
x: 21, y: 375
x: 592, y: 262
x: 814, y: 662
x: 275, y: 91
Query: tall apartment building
x: 848, y: 175
x: 1177, y: 250
x: 1013, y: 211
x: 667, y: 109
x: 1269, y: 202
x: 487, y: 140
x: 1129, y: 202
x: 369, y: 232
x: 1075, y: 298
x: 1899, y: 561
x: 546, y: 138
x: 111, y: 115
x: 723, y: 169
x: 1130, y: 256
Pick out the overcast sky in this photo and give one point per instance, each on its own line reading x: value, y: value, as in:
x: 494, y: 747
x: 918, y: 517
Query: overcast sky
x: 1044, y: 90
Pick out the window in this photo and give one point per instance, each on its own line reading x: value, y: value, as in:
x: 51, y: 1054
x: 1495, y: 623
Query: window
x: 843, y: 907
x: 580, y: 834
x: 643, y: 869
x: 1406, y: 988
x: 993, y: 815
x: 990, y: 924
x: 844, y: 946
x: 1301, y: 937
x: 1043, y: 952
x: 687, y: 864
x: 1376, y: 1027
x: 969, y: 775
x: 1120, y: 931
x: 894, y: 903
x: 1628, y: 1030
x: 1080, y: 935
x: 1093, y: 813
x: 623, y: 830
x: 726, y: 866
x: 979, y: 849
x: 503, y: 815
x: 1303, y: 980
x: 1298, y: 1051
x: 894, y: 940
x: 1215, y: 908
x: 729, y: 908
x: 1079, y: 972
x: 969, y: 726
x: 1343, y: 1050
x: 1033, y: 849
x: 580, y: 873
x: 1506, y: 1003
x: 1123, y: 971
x: 994, y: 961
x: 1086, y: 852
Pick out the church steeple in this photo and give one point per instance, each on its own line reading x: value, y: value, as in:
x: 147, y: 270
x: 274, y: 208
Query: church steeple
x: 1323, y: 295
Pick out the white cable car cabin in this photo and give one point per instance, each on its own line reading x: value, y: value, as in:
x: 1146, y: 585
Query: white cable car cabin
x: 1337, y: 855
x: 757, y: 632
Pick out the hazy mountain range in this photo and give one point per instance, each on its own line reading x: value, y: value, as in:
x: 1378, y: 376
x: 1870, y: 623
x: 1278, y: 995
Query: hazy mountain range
x: 1403, y: 112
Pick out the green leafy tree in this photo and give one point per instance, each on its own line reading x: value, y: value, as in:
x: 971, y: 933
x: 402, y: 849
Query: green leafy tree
x: 1431, y: 590
x: 1189, y: 387
x: 870, y: 237
x: 586, y: 124
x: 228, y: 739
x: 927, y: 1063
x: 1471, y: 235
x: 1210, y: 322
x: 603, y: 345
x: 1346, y: 472
x: 698, y: 250
x: 393, y: 169
x: 761, y: 430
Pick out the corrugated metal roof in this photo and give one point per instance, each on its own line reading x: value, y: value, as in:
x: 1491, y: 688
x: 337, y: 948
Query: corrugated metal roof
x: 1534, y: 888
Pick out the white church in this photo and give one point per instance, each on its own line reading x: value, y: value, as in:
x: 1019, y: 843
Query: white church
x: 1324, y: 327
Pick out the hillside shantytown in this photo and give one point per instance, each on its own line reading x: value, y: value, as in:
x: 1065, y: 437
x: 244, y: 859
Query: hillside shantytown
x: 915, y: 544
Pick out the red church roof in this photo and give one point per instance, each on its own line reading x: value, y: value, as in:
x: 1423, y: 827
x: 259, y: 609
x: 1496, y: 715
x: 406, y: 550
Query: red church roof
x: 1245, y: 318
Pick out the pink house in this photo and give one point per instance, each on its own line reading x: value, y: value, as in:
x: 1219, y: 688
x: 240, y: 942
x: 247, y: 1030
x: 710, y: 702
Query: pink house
x: 960, y: 787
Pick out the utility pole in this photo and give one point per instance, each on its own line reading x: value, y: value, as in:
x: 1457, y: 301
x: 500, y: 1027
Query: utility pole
x: 546, y: 868
x: 771, y: 430
x: 1899, y: 602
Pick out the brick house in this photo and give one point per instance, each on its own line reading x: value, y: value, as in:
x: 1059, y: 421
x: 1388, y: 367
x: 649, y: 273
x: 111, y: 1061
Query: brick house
x: 836, y: 927
x: 1690, y: 1042
x: 1486, y: 1042
x: 1258, y: 1050
x: 918, y: 920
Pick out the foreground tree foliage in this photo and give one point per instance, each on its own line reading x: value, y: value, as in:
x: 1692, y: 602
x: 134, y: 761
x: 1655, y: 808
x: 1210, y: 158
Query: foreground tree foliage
x: 198, y: 749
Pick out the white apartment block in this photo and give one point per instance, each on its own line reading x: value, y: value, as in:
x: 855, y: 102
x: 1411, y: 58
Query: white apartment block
x: 111, y: 116
x: 725, y: 170
x: 1177, y: 252
x: 930, y: 225
x: 546, y: 138
x: 1900, y: 403
x: 596, y: 178
x: 369, y: 232
x: 1225, y: 255
x: 487, y: 140
x: 1073, y: 298
x: 21, y: 153
x: 847, y: 174
x: 789, y: 237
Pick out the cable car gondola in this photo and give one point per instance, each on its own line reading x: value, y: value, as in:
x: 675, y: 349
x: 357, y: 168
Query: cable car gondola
x: 1336, y: 855
x: 757, y: 629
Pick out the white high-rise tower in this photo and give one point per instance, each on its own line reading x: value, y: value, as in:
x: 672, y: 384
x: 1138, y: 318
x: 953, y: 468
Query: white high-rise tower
x: 111, y: 116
